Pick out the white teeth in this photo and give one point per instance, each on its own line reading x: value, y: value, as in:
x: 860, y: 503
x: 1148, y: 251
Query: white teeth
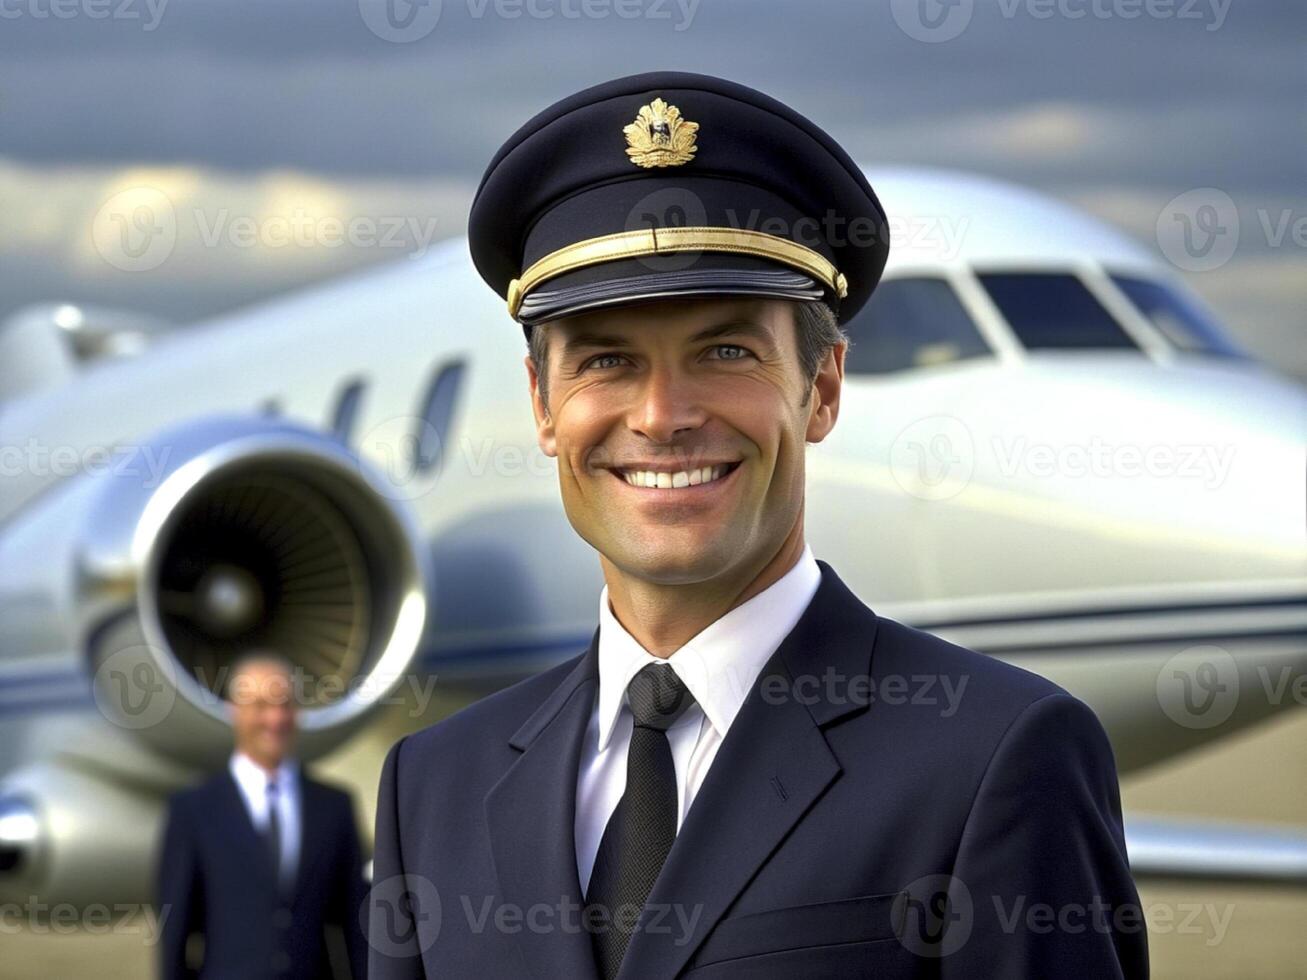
x: 669, y: 481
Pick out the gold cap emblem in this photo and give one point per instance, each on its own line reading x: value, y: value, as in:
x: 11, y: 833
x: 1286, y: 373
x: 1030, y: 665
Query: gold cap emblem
x: 660, y: 137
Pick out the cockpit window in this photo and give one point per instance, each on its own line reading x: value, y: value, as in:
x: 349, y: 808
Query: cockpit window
x: 1184, y: 323
x: 1053, y: 310
x: 911, y: 323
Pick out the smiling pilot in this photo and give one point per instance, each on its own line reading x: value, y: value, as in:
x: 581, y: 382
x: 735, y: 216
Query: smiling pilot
x: 722, y: 785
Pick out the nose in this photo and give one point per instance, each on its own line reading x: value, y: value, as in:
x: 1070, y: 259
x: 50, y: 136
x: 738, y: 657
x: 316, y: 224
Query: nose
x: 668, y: 402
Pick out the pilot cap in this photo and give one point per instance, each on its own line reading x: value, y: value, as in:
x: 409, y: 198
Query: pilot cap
x: 672, y: 184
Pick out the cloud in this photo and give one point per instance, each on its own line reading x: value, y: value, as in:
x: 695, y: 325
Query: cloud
x: 148, y: 232
x: 259, y: 121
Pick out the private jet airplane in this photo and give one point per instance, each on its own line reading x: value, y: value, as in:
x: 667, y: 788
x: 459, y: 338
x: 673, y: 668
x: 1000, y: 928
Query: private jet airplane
x: 1047, y: 451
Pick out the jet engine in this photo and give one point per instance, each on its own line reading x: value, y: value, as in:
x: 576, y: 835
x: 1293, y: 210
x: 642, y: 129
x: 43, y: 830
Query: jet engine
x: 156, y: 573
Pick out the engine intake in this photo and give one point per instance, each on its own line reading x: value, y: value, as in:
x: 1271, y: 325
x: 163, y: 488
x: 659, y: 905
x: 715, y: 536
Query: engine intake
x: 256, y: 534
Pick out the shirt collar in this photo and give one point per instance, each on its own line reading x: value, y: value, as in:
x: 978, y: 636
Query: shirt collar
x: 253, y: 778
x: 720, y: 663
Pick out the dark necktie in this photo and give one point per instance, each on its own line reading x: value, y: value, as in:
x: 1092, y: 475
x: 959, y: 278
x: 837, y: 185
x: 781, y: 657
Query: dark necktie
x: 643, y: 826
x: 274, y: 831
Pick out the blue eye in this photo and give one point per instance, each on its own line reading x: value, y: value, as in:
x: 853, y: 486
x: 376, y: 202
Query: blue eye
x: 732, y: 352
x: 595, y: 361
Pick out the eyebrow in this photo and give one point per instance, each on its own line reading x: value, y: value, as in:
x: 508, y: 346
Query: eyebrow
x: 588, y: 340
x: 747, y: 328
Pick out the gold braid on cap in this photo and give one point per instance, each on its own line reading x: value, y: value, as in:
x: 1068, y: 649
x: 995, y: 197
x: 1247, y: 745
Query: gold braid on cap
x: 666, y: 241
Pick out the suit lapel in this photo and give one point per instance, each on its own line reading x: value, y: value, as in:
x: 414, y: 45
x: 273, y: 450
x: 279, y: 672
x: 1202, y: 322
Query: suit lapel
x: 531, y: 816
x: 311, y: 813
x: 772, y: 766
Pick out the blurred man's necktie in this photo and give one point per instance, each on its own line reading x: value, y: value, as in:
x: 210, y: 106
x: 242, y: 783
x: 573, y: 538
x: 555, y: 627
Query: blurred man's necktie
x: 274, y: 831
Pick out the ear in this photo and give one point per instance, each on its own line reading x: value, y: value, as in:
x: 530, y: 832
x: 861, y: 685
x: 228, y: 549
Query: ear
x: 824, y: 406
x: 544, y: 422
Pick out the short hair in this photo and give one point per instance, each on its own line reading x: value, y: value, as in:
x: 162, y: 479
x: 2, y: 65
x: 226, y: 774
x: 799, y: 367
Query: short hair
x: 248, y: 659
x: 817, y: 330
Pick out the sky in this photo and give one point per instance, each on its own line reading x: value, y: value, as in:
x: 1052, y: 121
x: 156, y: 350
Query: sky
x: 293, y: 140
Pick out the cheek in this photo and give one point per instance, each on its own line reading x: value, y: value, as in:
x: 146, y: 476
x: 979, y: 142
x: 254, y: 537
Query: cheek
x: 787, y: 471
x: 763, y: 418
x: 580, y: 429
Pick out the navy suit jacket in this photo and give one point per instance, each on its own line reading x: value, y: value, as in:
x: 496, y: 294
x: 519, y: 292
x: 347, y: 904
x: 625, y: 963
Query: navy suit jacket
x: 215, y: 877
x: 853, y: 824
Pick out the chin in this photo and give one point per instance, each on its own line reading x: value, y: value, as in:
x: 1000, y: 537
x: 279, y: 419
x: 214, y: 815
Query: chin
x: 675, y: 564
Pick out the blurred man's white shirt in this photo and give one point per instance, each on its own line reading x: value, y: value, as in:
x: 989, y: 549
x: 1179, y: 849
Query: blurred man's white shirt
x: 252, y: 780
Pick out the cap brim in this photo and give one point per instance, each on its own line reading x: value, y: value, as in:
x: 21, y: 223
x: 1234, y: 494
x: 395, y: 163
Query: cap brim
x: 631, y: 281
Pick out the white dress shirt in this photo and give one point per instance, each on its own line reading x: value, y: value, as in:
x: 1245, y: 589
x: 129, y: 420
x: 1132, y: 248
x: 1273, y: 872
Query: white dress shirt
x: 718, y: 665
x: 252, y: 780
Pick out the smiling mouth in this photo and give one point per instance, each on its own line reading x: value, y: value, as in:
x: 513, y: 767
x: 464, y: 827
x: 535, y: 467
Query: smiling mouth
x: 678, y: 479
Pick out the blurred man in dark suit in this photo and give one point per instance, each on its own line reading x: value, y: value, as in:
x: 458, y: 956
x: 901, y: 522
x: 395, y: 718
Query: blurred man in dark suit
x: 260, y: 859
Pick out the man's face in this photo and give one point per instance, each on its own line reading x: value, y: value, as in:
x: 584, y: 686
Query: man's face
x: 263, y: 712
x: 703, y: 398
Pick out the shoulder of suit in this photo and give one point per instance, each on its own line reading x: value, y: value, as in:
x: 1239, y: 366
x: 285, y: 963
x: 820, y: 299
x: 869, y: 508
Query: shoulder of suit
x: 202, y: 792
x: 997, y: 685
x: 494, y: 718
x: 198, y: 793
x: 325, y: 787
